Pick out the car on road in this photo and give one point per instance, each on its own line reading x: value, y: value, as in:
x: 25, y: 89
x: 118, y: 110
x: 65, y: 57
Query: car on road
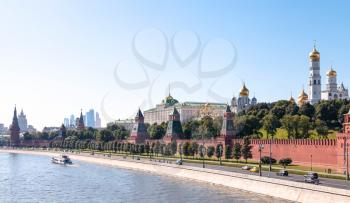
x: 179, y: 162
x: 311, y: 177
x: 254, y: 169
x: 246, y: 167
x: 282, y: 173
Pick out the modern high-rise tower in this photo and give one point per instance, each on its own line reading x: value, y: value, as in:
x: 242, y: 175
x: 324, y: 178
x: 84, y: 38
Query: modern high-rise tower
x: 314, y: 77
x: 22, y: 122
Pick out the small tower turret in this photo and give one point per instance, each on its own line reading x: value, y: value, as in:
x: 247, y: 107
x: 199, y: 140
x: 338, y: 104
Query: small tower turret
x: 227, y: 130
x: 139, y: 131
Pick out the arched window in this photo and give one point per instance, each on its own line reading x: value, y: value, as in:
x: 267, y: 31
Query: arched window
x: 329, y: 94
x: 335, y: 96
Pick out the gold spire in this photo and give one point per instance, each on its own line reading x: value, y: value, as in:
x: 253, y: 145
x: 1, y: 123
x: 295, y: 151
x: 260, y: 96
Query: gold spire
x: 314, y: 54
x: 244, y: 91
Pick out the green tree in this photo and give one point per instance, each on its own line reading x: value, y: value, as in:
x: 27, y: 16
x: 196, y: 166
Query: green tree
x: 194, y: 148
x: 186, y: 148
x: 287, y: 124
x: 304, y: 125
x: 266, y: 160
x: 246, y: 149
x: 237, y: 147
x: 270, y: 124
x: 307, y: 110
x: 228, y: 152
x: 173, y: 147
x: 156, y: 131
x: 219, y: 151
x: 285, y: 162
x: 210, y: 151
x: 105, y: 136
x: 321, y: 128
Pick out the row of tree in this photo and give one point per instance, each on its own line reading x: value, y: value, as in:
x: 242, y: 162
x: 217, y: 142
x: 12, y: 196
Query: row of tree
x: 188, y: 149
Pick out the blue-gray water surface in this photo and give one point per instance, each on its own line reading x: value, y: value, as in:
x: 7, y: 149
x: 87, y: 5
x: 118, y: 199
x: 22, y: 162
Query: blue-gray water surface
x: 30, y: 178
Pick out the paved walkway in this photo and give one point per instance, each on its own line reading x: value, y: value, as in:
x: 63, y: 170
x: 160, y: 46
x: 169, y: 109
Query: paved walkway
x: 292, y: 177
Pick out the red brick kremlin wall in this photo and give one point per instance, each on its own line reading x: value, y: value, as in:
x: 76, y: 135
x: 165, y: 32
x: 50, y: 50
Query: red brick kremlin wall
x: 324, y: 152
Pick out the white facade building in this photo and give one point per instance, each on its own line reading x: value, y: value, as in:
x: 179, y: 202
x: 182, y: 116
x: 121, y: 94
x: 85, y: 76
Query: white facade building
x: 332, y: 91
x: 243, y: 102
x: 187, y: 110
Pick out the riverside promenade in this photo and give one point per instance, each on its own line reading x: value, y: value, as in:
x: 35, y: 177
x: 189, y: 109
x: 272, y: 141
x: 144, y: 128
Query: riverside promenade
x: 284, y: 189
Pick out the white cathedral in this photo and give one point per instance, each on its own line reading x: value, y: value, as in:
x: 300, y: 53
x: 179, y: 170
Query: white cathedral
x: 332, y: 91
x: 243, y: 102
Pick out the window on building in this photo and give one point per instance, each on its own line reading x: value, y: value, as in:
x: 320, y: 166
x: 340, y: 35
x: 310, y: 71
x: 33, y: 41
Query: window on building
x: 319, y: 82
x: 329, y: 94
x: 314, y: 82
x: 335, y: 96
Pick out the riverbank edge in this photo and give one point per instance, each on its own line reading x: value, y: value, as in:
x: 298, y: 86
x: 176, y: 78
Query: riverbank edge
x: 293, y: 191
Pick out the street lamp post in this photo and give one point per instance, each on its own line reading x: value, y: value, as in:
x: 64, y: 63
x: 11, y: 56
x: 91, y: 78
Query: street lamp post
x: 181, y: 152
x: 347, y: 159
x: 311, y: 161
x: 270, y: 159
x: 220, y: 150
x: 261, y: 147
x: 203, y: 154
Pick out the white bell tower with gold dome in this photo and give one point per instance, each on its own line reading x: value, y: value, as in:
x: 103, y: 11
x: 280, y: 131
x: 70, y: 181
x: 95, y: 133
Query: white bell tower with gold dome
x: 314, y: 77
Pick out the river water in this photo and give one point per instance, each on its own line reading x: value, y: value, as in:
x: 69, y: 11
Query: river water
x: 29, y: 178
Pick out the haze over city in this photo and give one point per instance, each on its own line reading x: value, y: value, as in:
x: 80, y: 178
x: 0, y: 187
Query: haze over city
x: 58, y: 57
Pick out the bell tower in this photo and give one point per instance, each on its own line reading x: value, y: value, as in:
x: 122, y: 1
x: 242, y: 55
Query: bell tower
x: 314, y: 76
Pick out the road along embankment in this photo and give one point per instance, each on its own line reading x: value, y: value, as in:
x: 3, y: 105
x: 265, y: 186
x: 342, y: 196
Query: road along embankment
x: 294, y: 191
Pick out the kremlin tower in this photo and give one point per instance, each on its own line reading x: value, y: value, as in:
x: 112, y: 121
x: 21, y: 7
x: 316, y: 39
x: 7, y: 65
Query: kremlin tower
x: 314, y: 77
x: 80, y: 124
x: 14, y: 131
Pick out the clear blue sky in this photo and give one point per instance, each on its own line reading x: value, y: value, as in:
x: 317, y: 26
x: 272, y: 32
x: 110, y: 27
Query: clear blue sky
x: 57, y: 57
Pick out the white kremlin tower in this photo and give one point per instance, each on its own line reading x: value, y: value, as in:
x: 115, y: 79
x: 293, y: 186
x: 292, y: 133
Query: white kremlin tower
x: 314, y: 77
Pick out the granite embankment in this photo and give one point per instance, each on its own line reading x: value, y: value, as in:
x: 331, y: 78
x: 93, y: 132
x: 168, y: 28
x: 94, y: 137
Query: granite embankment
x: 294, y: 191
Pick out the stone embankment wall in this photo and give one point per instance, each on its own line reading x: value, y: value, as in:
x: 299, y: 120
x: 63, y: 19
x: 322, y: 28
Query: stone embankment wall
x: 294, y: 191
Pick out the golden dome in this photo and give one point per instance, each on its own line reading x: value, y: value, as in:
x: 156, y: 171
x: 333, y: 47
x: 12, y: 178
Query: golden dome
x: 303, y: 98
x: 244, y: 91
x: 331, y: 73
x: 314, y: 55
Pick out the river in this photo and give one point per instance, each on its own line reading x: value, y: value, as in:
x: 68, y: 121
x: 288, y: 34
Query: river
x: 31, y: 178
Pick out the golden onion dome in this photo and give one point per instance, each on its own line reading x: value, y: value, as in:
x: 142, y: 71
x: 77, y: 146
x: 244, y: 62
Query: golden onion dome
x: 244, y: 91
x: 314, y: 55
x: 331, y: 73
x: 303, y: 98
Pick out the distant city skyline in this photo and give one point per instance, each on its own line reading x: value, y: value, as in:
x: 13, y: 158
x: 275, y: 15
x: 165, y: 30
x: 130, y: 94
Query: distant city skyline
x: 84, y: 55
x: 91, y: 119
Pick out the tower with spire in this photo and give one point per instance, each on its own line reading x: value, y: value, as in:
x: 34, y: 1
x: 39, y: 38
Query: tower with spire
x: 80, y: 124
x: 314, y: 76
x: 14, y: 130
x: 174, y: 129
x: 139, y: 131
